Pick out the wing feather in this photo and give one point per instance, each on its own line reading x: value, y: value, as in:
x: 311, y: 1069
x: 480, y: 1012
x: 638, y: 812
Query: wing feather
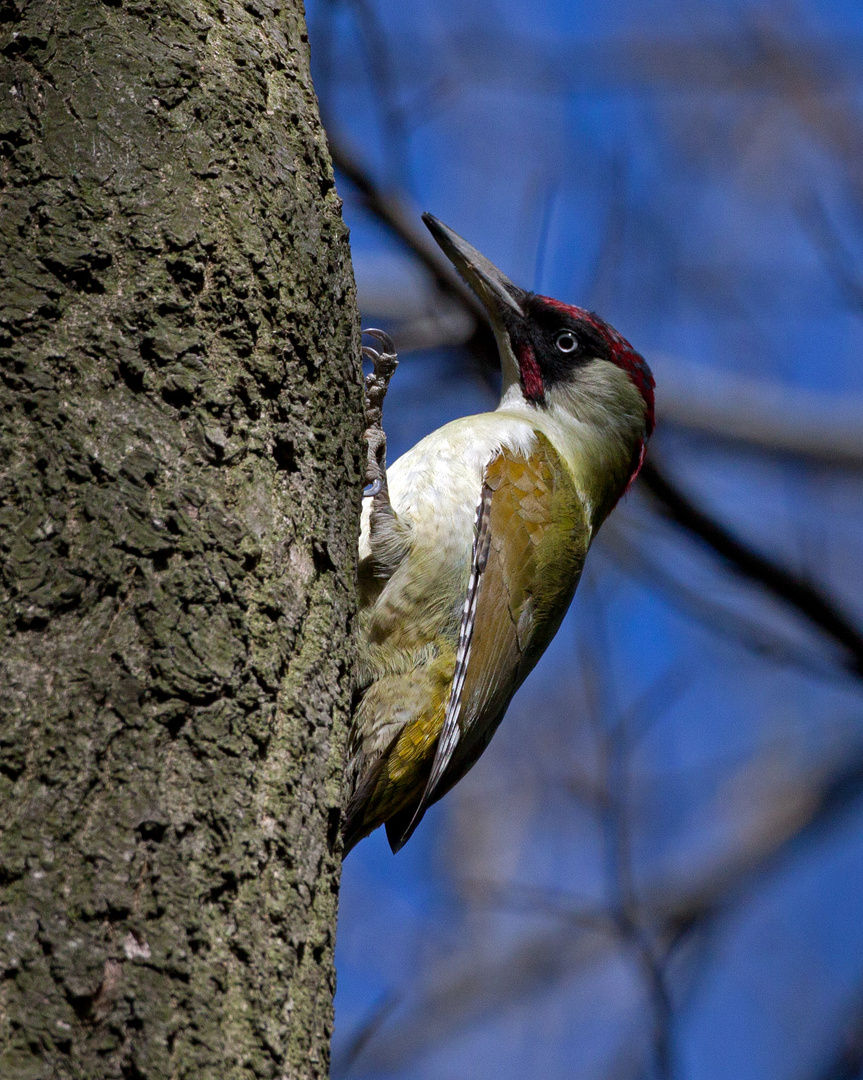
x: 530, y: 540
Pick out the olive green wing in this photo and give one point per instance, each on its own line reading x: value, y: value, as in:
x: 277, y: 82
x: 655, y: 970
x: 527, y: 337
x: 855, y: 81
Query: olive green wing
x: 530, y: 540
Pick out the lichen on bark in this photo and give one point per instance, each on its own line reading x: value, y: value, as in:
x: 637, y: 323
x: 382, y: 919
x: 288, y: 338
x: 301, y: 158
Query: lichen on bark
x: 180, y: 420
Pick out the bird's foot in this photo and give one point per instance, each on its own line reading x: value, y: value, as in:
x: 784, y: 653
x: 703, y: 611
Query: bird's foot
x: 384, y: 362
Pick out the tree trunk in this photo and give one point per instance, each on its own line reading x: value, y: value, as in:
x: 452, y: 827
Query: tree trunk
x: 179, y: 497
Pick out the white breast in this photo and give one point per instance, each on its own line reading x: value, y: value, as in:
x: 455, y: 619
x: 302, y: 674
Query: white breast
x: 436, y: 484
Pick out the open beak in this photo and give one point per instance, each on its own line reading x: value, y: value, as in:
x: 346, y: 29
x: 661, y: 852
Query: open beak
x: 499, y: 296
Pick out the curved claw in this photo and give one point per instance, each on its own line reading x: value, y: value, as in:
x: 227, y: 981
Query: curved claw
x: 375, y: 488
x: 383, y: 337
x: 371, y: 354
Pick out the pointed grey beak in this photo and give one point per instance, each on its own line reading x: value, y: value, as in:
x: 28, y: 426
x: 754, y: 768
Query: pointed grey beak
x: 497, y: 293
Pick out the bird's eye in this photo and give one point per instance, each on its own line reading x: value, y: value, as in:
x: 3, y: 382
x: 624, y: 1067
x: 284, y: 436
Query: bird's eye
x: 566, y: 341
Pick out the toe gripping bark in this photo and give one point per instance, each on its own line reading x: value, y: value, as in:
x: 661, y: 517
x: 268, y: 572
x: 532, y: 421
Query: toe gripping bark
x: 384, y: 362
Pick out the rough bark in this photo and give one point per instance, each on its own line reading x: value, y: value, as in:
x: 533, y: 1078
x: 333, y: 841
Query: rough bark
x: 179, y: 490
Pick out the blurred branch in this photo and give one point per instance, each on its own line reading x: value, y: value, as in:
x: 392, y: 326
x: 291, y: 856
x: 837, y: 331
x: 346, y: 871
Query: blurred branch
x: 715, y: 617
x: 794, y: 590
x: 847, y: 1062
x: 675, y: 913
x: 616, y: 821
x: 345, y: 1061
x: 837, y: 259
x: 380, y: 68
x: 817, y: 426
x: 472, y: 986
x: 391, y: 211
x: 838, y: 795
x: 755, y: 59
x: 532, y: 900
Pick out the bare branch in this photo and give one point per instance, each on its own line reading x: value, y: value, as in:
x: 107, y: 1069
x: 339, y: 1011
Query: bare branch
x: 813, y: 425
x: 794, y: 589
x: 715, y: 617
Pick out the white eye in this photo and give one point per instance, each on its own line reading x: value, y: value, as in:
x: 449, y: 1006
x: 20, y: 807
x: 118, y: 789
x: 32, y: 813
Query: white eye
x: 566, y: 341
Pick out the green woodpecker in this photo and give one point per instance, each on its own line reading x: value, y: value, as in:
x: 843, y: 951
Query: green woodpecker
x: 473, y: 542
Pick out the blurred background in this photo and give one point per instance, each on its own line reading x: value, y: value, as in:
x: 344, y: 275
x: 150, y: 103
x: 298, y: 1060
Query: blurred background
x: 656, y: 869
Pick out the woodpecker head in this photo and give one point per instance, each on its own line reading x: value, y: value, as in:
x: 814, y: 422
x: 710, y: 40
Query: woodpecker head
x: 556, y: 357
